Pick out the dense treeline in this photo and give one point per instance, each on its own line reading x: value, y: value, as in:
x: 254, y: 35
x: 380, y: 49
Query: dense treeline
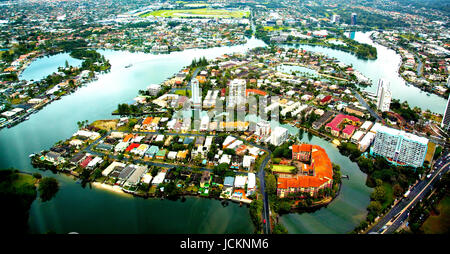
x: 199, y: 63
x: 404, y: 110
x: 262, y: 34
x: 388, y: 180
x: 16, y: 51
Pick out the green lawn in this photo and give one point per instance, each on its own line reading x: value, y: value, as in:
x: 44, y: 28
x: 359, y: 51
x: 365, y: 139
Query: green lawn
x: 282, y: 168
x: 439, y: 224
x: 183, y: 92
x: 271, y: 28
x: 389, y: 195
x: 202, y: 12
x: 24, y: 179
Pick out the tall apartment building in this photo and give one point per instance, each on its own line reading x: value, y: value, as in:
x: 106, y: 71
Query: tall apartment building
x: 236, y: 95
x: 278, y: 136
x: 353, y: 19
x: 195, y: 93
x: 383, y: 95
x: 335, y: 19
x: 262, y: 128
x: 400, y: 147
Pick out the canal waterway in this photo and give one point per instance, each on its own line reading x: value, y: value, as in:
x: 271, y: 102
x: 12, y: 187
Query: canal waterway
x: 96, y: 210
x: 386, y: 67
x: 347, y: 210
x: 44, y: 66
x: 92, y: 210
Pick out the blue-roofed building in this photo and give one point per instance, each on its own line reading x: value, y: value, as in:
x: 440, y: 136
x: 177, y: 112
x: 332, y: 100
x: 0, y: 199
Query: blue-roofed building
x: 229, y: 181
x: 150, y: 153
x: 188, y: 140
x: 103, y: 146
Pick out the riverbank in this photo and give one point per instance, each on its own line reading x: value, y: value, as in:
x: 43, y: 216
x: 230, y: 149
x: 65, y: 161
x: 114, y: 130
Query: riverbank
x: 417, y: 82
x: 54, y: 86
x: 354, y: 50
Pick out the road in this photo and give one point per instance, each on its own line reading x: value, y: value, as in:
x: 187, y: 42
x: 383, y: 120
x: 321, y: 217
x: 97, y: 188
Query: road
x: 364, y: 103
x: 262, y: 182
x: 400, y: 212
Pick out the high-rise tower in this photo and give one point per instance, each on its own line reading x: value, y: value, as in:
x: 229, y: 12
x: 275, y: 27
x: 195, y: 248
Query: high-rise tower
x: 383, y: 95
x: 353, y: 19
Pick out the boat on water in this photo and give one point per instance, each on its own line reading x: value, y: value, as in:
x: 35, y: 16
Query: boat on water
x: 128, y: 66
x: 27, y: 118
x: 31, y: 155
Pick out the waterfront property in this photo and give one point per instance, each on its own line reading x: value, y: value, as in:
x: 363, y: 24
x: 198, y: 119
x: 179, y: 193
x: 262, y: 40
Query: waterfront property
x: 315, y: 171
x: 400, y: 147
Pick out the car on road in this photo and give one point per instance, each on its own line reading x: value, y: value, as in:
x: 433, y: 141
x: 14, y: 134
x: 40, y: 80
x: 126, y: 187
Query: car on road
x: 382, y: 229
x: 264, y: 221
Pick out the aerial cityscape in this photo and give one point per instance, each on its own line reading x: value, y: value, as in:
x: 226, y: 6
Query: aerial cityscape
x: 225, y: 117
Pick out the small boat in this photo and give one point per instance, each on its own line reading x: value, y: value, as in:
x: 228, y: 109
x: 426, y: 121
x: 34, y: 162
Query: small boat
x: 31, y: 155
x: 128, y: 66
x: 27, y: 118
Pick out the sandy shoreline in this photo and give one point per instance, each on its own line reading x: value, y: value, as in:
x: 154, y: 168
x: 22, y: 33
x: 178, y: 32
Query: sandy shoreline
x: 115, y: 189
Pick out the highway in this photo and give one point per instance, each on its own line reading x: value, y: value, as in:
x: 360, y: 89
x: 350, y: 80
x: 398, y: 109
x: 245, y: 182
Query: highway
x: 400, y: 212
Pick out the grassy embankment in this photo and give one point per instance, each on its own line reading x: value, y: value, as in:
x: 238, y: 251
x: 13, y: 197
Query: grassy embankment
x: 439, y: 223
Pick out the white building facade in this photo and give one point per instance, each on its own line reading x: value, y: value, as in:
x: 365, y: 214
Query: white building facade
x: 400, y: 147
x: 383, y: 95
x: 195, y: 93
x: 237, y: 92
x: 279, y: 136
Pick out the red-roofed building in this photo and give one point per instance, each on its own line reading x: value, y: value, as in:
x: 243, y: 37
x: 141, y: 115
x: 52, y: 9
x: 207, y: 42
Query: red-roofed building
x: 301, y: 152
x: 319, y: 172
x: 132, y: 146
x: 348, y: 131
x: 147, y: 120
x: 336, y: 125
x: 128, y: 137
x: 86, y: 161
x: 325, y: 100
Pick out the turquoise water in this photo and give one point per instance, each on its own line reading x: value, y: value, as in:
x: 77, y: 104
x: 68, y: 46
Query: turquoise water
x: 100, y: 211
x: 386, y: 67
x: 44, y: 66
x: 346, y: 211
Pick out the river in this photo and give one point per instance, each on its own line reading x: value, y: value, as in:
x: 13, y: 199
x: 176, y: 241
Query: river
x: 99, y: 211
x: 346, y: 211
x: 385, y: 66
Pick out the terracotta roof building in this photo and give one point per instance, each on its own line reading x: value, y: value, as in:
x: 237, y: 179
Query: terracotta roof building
x: 315, y: 174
